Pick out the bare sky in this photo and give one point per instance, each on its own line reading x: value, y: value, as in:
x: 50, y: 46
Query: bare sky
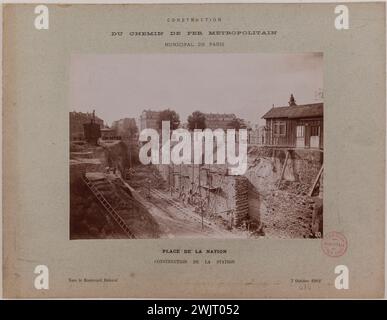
x: 123, y: 85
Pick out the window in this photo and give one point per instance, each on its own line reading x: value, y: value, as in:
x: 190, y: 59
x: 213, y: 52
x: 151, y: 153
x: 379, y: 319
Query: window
x: 300, y: 131
x: 315, y: 131
x: 279, y: 128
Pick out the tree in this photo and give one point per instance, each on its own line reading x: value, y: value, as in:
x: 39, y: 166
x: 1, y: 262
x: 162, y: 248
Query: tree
x: 196, y: 120
x: 171, y: 116
x: 237, y: 124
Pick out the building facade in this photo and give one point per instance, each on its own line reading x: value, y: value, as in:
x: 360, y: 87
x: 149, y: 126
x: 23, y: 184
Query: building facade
x: 149, y: 119
x: 77, y: 122
x: 109, y: 134
x: 219, y: 120
x: 256, y: 135
x: 299, y: 126
x: 126, y: 128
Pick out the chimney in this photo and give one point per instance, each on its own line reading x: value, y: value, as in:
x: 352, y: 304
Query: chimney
x: 292, y: 101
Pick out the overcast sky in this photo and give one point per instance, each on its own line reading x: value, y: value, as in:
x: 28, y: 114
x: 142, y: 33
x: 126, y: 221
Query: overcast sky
x: 123, y: 85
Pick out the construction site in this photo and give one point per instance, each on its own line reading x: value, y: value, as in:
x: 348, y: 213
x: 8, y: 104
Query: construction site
x: 114, y: 196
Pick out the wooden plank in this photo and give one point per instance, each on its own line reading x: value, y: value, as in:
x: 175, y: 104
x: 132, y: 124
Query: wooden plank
x: 283, y: 168
x: 316, y: 180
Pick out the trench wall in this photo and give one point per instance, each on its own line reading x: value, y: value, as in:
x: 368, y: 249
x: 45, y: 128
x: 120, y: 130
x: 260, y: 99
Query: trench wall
x: 227, y: 196
x: 241, y: 198
x: 265, y: 165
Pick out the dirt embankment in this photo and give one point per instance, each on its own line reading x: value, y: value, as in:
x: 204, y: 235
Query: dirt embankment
x: 285, y: 210
x: 116, y: 155
x: 145, y: 176
x: 88, y: 217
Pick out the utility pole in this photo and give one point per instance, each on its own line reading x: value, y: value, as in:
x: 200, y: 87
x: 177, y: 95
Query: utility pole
x: 172, y: 178
x: 202, y: 219
x: 169, y: 178
x: 180, y: 179
x: 209, y: 183
x: 193, y: 177
x: 200, y: 191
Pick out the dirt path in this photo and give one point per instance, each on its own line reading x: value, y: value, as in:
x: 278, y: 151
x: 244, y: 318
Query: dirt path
x: 175, y: 220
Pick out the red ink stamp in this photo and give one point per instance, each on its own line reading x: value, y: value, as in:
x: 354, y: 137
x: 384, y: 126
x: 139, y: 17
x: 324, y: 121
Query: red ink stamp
x: 334, y: 244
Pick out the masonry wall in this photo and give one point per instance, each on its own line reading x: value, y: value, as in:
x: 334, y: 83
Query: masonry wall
x: 227, y: 196
x: 245, y: 198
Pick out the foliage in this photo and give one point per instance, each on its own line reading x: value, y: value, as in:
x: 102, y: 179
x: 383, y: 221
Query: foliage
x: 171, y: 116
x: 237, y: 124
x: 196, y: 120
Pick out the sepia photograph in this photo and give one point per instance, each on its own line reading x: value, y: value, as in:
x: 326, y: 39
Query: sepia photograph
x: 194, y: 151
x: 267, y: 108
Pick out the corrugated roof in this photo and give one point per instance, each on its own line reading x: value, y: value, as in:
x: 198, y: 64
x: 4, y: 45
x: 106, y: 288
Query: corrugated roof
x: 302, y: 111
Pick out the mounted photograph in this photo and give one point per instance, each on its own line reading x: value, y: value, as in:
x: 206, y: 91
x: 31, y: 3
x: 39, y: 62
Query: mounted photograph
x: 226, y: 146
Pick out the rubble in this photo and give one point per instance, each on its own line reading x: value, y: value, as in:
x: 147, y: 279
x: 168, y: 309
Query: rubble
x: 286, y: 211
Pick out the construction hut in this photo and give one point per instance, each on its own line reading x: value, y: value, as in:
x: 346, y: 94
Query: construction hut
x: 298, y: 126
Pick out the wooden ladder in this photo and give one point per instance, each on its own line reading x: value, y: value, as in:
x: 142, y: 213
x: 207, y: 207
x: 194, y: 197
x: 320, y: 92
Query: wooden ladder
x: 109, y: 209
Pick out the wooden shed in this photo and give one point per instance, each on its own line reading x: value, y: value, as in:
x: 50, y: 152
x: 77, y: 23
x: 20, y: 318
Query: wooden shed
x: 298, y: 126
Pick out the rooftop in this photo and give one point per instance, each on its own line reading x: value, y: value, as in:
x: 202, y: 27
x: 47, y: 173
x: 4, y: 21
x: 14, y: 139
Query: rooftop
x: 149, y: 113
x: 301, y: 111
